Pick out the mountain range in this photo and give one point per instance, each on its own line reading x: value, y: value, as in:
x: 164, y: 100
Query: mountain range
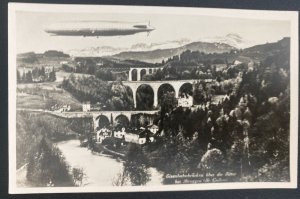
x: 280, y: 50
x: 100, y: 51
x: 255, y: 52
x: 158, y: 55
x: 231, y: 39
x: 215, y: 44
x: 156, y: 52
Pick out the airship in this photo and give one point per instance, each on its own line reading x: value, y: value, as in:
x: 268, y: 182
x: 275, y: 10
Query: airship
x: 97, y: 28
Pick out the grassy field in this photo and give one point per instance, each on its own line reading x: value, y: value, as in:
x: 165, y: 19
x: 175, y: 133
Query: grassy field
x: 45, y: 61
x: 31, y: 101
x: 43, y: 96
x: 60, y: 75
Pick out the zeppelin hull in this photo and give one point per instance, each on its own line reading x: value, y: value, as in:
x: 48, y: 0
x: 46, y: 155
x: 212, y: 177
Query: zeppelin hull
x: 97, y: 29
x: 91, y: 33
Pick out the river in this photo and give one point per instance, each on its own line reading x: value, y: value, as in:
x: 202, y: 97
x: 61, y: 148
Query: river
x: 100, y: 170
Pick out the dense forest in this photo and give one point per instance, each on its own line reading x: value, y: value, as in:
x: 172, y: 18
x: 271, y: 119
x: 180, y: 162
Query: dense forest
x: 110, y: 96
x: 107, y: 69
x: 32, y: 57
x: 116, y: 96
x: 247, y: 133
x: 45, y: 164
x: 36, y: 75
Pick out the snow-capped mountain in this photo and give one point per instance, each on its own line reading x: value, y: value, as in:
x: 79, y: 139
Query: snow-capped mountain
x: 95, y: 51
x: 108, y: 50
x: 161, y: 45
x: 231, y: 39
x: 157, y: 55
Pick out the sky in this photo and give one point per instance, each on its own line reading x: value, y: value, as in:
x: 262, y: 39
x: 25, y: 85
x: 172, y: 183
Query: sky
x: 31, y: 36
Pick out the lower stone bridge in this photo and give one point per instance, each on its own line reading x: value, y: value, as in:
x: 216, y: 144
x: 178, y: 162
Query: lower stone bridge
x: 109, y: 116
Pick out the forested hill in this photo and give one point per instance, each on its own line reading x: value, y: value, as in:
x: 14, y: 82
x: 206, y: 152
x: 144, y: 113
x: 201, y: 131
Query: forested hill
x: 260, y: 52
x: 257, y: 52
x: 32, y: 57
x: 56, y: 58
x: 278, y: 50
x: 159, y: 54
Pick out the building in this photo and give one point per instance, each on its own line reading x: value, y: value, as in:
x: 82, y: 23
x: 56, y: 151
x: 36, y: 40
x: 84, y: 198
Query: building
x: 220, y: 67
x: 38, y: 79
x: 86, y: 107
x: 48, y: 70
x: 186, y: 101
x: 153, y: 128
x: 63, y: 62
x: 66, y: 108
x: 102, y: 134
x: 120, y: 134
x: 25, y: 70
x: 237, y: 62
x: 100, y: 63
x: 146, y: 136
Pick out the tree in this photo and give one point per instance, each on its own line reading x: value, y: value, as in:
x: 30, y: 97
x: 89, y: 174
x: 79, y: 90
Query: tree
x: 104, y: 75
x: 78, y: 176
x: 168, y: 102
x: 67, y: 68
x: 48, y: 167
x: 19, y: 79
x: 201, y: 93
x: 121, y: 97
x: 136, y: 166
x: 28, y: 77
x: 212, y: 160
x: 121, y: 179
x: 35, y: 73
x: 42, y: 71
x: 52, y: 75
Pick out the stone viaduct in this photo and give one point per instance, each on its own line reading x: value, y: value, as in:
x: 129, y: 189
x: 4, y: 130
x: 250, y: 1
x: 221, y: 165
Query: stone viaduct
x: 155, y: 85
x: 134, y: 85
x: 141, y: 72
x: 108, y: 115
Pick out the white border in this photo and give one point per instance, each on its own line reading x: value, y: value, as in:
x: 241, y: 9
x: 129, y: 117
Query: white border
x: 291, y: 16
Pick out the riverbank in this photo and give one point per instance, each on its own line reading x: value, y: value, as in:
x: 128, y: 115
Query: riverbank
x: 99, y: 169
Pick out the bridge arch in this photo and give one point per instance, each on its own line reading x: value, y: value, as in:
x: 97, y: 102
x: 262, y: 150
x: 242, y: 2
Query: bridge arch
x: 143, y: 72
x: 134, y: 74
x: 179, y: 85
x: 142, y: 120
x: 145, y: 95
x: 121, y: 121
x: 103, y: 121
x: 186, y: 88
x: 131, y: 96
x: 164, y: 88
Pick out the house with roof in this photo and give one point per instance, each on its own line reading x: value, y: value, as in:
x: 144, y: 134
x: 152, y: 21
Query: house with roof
x: 185, y: 101
x: 86, y: 106
x: 103, y: 133
x: 220, y: 67
x: 145, y: 136
x: 153, y: 128
x: 120, y: 133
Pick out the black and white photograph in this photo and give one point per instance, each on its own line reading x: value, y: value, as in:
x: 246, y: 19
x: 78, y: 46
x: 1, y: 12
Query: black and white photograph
x: 138, y: 98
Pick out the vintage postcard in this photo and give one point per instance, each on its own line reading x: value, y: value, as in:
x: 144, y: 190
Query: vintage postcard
x: 135, y: 98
